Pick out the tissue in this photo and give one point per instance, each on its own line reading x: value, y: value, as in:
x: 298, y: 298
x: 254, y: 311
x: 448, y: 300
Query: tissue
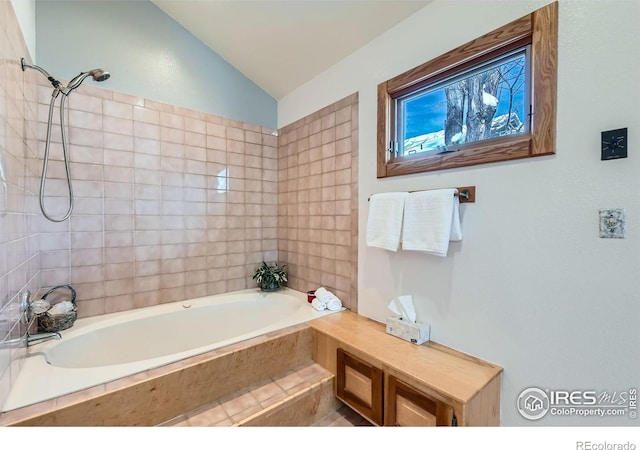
x: 404, y: 324
x: 403, y: 307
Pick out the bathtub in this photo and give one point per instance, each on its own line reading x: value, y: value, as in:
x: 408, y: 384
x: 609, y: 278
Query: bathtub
x: 100, y: 349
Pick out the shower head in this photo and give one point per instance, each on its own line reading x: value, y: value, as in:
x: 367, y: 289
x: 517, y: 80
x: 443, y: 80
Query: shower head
x: 99, y: 74
x: 96, y: 74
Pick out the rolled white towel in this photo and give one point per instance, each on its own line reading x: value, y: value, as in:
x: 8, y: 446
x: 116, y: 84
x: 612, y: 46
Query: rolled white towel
x: 318, y: 304
x: 327, y: 300
x: 321, y: 292
x: 40, y: 306
x: 334, y: 304
x: 61, y: 308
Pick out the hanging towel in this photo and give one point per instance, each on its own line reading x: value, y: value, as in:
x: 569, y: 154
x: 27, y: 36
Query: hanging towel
x: 431, y: 220
x: 384, y: 225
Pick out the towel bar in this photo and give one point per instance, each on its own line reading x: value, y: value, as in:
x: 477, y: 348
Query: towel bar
x: 467, y: 194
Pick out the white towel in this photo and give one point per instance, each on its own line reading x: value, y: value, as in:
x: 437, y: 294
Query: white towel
x: 384, y: 225
x: 318, y: 304
x: 431, y: 220
x: 326, y: 300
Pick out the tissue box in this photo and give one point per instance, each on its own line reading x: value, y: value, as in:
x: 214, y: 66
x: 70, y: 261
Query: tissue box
x: 418, y: 332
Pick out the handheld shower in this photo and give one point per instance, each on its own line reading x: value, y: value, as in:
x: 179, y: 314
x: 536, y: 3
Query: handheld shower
x: 97, y: 75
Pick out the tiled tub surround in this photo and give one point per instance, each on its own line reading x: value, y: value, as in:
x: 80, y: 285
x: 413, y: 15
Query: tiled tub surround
x: 19, y: 175
x: 170, y: 203
x: 104, y: 348
x: 318, y: 200
x: 158, y: 395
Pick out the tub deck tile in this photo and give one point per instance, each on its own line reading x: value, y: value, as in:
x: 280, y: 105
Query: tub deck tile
x: 80, y: 396
x: 126, y: 381
x: 207, y: 415
x: 236, y: 408
x: 275, y: 399
x: 290, y: 380
x: 268, y: 389
x: 180, y: 421
x: 237, y: 402
x: 27, y: 412
x: 153, y: 392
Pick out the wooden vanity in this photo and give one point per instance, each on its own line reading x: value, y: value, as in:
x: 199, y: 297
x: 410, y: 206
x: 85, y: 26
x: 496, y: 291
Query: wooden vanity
x: 393, y: 382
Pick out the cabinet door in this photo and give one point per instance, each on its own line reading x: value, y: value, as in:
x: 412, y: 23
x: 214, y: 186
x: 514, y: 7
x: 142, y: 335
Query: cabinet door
x: 359, y: 384
x: 408, y: 407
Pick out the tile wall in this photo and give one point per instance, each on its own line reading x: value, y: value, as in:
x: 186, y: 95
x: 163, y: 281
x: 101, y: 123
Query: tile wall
x: 170, y: 203
x: 19, y: 243
x: 318, y: 200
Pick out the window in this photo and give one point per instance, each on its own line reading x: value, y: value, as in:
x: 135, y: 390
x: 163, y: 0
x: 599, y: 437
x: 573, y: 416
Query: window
x: 492, y: 99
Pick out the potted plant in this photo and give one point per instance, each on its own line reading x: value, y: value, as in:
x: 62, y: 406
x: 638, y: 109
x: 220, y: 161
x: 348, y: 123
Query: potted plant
x: 270, y: 278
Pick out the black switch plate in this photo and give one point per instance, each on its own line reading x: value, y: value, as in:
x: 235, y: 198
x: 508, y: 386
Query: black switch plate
x: 614, y: 144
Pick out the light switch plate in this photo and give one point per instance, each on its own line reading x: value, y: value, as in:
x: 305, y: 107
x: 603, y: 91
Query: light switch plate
x: 613, y: 144
x: 612, y: 223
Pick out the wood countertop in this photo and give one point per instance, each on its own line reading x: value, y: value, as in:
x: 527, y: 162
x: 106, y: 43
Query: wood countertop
x: 454, y: 374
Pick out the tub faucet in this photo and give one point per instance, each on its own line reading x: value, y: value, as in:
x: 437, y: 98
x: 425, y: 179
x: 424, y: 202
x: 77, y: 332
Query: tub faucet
x: 33, y: 339
x: 29, y: 340
x: 28, y: 318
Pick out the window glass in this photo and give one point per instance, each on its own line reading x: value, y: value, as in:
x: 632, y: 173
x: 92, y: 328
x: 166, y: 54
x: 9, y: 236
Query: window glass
x: 487, y: 102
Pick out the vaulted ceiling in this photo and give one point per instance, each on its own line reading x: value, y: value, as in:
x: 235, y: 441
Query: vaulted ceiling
x: 280, y: 45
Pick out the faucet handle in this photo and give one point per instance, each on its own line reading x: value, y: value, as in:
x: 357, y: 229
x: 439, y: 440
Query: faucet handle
x: 25, y: 304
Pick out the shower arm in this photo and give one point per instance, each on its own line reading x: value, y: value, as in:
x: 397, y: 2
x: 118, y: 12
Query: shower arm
x: 56, y: 84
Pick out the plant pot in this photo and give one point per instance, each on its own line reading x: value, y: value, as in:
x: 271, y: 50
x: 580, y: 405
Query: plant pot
x: 272, y: 288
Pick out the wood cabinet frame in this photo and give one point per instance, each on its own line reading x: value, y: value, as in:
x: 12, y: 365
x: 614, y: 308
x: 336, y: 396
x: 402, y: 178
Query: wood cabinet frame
x: 372, y: 410
x: 395, y: 388
x: 540, y: 28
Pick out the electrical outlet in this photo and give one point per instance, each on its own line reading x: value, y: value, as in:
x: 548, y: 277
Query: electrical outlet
x: 614, y: 144
x: 612, y: 223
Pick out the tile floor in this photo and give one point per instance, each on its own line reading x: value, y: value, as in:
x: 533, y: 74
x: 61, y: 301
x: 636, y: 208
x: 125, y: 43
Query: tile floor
x: 233, y: 408
x: 343, y: 417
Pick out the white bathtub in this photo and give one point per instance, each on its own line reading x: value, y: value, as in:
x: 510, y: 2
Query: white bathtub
x: 100, y: 349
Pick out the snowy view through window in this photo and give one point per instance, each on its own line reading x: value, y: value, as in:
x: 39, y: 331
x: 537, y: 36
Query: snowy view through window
x: 484, y: 104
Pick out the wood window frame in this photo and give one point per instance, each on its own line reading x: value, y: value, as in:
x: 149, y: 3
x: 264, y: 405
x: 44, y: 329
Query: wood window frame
x: 540, y: 28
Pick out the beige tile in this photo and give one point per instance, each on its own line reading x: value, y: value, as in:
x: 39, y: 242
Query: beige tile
x: 118, y: 303
x: 126, y: 381
x: 238, y: 402
x: 266, y: 391
x: 180, y: 421
x: 80, y: 396
x: 117, y: 109
x: 246, y: 413
x: 146, y: 115
x: 289, y: 380
x: 224, y: 423
x: 207, y: 415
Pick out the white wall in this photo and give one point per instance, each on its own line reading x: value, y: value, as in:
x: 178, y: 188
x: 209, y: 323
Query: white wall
x: 148, y: 55
x: 532, y: 287
x: 26, y: 13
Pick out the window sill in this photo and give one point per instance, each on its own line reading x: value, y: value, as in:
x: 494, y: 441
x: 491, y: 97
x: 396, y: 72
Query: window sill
x: 504, y: 149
